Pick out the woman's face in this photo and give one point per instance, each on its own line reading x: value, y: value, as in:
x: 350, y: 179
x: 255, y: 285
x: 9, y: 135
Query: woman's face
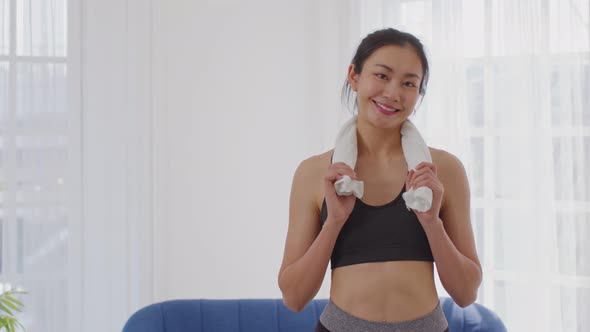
x: 388, y: 86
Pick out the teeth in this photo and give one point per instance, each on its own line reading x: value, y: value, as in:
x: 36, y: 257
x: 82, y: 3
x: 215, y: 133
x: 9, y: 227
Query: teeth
x: 386, y: 108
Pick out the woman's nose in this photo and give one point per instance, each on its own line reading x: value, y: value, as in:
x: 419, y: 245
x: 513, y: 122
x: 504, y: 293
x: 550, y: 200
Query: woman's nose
x: 392, y: 92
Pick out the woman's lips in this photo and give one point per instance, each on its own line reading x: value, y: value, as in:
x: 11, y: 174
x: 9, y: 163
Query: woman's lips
x: 385, y: 110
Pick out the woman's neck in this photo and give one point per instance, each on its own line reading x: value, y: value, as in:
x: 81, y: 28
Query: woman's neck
x: 378, y: 143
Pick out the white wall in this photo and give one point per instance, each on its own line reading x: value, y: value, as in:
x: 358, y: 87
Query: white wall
x: 243, y: 91
x: 194, y: 116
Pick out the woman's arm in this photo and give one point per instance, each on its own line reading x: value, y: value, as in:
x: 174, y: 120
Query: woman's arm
x: 308, y: 246
x: 448, y: 227
x: 451, y: 237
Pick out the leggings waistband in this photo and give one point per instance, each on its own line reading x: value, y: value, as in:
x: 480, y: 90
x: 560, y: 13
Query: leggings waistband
x: 337, y: 320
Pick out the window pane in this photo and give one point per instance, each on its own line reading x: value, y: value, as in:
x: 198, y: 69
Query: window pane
x: 473, y: 28
x: 1, y: 235
x: 41, y: 96
x: 19, y: 244
x: 478, y: 230
x: 4, y: 27
x: 570, y: 100
x: 40, y: 162
x: 583, y: 308
x: 517, y: 27
x: 509, y: 174
x: 476, y: 167
x: 585, y: 87
x: 515, y: 300
x: 572, y: 230
x: 556, y: 109
x: 413, y: 18
x: 568, y: 26
x: 46, y: 304
x: 42, y: 240
x: 504, y: 95
x: 2, y: 179
x: 41, y: 27
x: 571, y: 156
x: 3, y: 93
x: 562, y: 157
x: 475, y: 93
x: 511, y: 229
x: 516, y: 86
x: 574, y: 306
x: 410, y: 16
x: 42, y: 245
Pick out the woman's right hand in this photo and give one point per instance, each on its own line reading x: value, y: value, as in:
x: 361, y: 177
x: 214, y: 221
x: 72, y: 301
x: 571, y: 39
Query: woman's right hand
x: 339, y: 207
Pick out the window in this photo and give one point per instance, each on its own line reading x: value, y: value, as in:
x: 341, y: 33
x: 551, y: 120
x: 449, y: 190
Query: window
x: 34, y: 156
x: 509, y: 95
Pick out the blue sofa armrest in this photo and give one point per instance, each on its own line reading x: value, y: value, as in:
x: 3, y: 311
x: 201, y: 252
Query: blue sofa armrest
x: 473, y: 318
x: 147, y: 319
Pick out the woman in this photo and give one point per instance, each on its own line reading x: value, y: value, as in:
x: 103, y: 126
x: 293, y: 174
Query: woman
x: 381, y: 254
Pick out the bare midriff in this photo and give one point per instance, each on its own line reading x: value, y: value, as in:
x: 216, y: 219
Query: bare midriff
x: 385, y: 291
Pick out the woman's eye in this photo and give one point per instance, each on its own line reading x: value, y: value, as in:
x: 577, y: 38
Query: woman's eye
x: 381, y: 76
x: 410, y: 84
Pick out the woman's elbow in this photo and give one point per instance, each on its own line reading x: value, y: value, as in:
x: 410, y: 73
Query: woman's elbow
x: 468, y: 296
x: 292, y: 304
x: 290, y: 300
x: 465, y: 300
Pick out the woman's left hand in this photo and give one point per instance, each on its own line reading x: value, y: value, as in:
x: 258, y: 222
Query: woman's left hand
x: 425, y: 175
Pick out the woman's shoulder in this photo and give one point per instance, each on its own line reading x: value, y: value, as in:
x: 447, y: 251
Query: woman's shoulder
x: 452, y: 174
x: 310, y: 173
x: 316, y: 163
x: 447, y: 164
x: 311, y: 170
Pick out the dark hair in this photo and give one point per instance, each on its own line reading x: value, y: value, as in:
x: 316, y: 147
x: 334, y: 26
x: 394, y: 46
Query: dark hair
x: 378, y: 39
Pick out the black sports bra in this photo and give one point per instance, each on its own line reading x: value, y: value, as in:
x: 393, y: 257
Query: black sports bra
x: 383, y: 233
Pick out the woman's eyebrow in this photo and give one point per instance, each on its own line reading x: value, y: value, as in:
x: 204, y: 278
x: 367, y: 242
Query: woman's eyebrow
x: 389, y: 69
x: 412, y: 75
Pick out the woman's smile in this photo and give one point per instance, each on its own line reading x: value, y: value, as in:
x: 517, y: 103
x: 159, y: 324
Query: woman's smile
x: 389, y: 111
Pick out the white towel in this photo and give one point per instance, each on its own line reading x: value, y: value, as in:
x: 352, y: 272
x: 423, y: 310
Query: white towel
x: 415, y: 151
x: 346, y: 151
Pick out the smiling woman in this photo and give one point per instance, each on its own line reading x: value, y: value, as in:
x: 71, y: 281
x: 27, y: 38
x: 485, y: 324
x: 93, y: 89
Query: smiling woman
x: 377, y: 239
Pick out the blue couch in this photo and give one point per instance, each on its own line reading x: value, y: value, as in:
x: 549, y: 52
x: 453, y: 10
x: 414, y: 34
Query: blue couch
x: 262, y: 315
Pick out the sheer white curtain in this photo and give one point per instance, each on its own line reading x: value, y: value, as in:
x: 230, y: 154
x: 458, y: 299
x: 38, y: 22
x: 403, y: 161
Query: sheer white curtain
x: 509, y: 95
x: 75, y: 182
x: 34, y: 154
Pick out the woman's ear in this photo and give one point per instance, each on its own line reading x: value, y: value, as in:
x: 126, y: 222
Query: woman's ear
x: 352, y: 77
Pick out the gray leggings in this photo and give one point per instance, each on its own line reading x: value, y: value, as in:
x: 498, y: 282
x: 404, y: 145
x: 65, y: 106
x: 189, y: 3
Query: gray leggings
x: 334, y: 319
